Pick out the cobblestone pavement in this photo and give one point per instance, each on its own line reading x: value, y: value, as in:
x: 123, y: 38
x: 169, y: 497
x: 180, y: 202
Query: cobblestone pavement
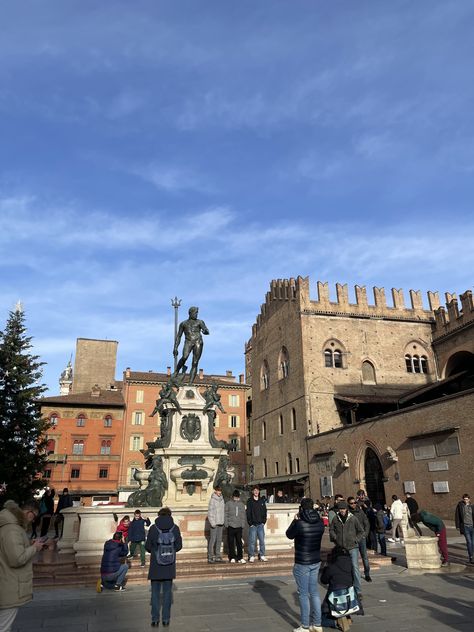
x: 395, y: 601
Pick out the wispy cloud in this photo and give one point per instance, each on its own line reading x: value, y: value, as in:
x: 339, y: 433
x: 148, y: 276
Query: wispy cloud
x: 173, y: 179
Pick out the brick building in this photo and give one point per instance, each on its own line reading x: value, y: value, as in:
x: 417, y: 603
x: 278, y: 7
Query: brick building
x: 140, y: 391
x: 321, y: 369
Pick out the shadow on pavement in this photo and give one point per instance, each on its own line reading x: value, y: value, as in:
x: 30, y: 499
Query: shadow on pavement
x: 269, y: 591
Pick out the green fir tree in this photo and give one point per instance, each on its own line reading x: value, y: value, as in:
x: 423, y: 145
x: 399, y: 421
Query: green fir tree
x: 22, y: 428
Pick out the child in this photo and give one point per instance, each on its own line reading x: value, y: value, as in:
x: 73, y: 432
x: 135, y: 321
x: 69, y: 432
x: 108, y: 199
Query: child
x: 122, y: 528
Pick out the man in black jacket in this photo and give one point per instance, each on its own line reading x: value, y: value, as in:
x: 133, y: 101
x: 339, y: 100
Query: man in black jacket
x: 412, y: 510
x: 361, y: 516
x: 346, y: 532
x: 307, y: 530
x: 64, y: 502
x: 256, y: 518
x: 463, y: 519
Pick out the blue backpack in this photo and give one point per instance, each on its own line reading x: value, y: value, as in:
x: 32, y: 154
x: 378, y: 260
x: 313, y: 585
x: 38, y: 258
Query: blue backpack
x: 165, y: 553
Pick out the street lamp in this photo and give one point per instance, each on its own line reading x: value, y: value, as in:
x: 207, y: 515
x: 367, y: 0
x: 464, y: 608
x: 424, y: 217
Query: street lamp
x: 175, y: 302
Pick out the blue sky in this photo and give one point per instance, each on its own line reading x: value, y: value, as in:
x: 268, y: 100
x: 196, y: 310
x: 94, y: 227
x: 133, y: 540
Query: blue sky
x: 158, y: 148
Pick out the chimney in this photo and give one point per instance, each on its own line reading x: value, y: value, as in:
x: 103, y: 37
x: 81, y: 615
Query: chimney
x: 228, y: 373
x: 168, y: 370
x: 127, y: 372
x: 241, y: 378
x: 201, y: 374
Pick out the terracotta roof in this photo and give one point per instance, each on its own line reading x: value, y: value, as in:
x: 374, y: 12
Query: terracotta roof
x: 368, y: 399
x: 151, y: 376
x: 106, y: 398
x: 422, y: 390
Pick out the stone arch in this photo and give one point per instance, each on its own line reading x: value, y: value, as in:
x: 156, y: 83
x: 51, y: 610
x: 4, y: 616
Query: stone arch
x: 373, y: 475
x: 283, y: 363
x: 459, y: 361
x: 369, y: 375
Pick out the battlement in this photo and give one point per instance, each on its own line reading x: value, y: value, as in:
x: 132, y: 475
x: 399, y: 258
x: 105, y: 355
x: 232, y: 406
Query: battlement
x: 450, y: 318
x: 288, y: 290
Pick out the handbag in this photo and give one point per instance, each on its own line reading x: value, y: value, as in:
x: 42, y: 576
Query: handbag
x: 343, y: 602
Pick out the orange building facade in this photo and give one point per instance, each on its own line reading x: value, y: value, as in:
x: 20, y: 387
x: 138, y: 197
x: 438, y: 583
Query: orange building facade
x: 140, y: 392
x: 85, y: 443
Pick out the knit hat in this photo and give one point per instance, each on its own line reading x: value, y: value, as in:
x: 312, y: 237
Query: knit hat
x: 342, y: 505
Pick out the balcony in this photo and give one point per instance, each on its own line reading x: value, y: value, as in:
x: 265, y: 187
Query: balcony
x: 57, y: 458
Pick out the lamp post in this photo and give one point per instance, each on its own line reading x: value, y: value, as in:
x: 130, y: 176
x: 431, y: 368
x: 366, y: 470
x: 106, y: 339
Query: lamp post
x: 175, y: 302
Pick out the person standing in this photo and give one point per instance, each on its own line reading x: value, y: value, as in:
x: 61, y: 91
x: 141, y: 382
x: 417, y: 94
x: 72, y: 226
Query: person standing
x: 64, y: 502
x: 113, y: 568
x: 380, y: 529
x: 435, y: 524
x: 332, y: 511
x: 256, y: 519
x: 46, y: 511
x: 359, y: 513
x: 463, y: 519
x: 307, y: 531
x: 137, y: 535
x: 16, y: 559
x: 412, y: 510
x: 234, y: 521
x: 396, y: 510
x: 346, y: 532
x: 163, y: 542
x: 216, y: 517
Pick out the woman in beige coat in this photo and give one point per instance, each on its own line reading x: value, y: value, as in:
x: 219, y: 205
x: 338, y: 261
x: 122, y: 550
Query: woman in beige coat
x: 16, y: 559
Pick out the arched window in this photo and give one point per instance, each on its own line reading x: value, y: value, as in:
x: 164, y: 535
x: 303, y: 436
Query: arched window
x: 78, y: 446
x: 54, y: 419
x: 105, y: 446
x: 293, y: 419
x: 368, y: 372
x: 107, y: 421
x: 50, y: 446
x: 264, y: 376
x: 289, y: 463
x: 283, y: 364
x: 333, y: 358
x: 416, y: 364
x: 280, y: 424
x: 81, y: 421
x: 265, y: 469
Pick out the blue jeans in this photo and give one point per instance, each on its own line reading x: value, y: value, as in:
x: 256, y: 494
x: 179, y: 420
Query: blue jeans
x: 354, y: 553
x: 158, y: 587
x: 468, y: 534
x: 364, y: 556
x: 256, y: 531
x: 118, y: 577
x: 306, y: 576
x: 383, y: 544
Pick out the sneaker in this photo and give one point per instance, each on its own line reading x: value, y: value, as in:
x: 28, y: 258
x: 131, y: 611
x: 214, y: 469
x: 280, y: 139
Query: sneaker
x: 211, y: 560
x: 315, y: 628
x: 143, y: 565
x: 232, y: 561
x: 368, y: 578
x: 402, y: 541
x: 252, y: 559
x: 263, y: 558
x: 119, y: 588
x: 242, y: 561
x: 397, y: 539
x: 390, y: 540
x: 300, y: 629
x: 219, y: 560
x: 445, y: 563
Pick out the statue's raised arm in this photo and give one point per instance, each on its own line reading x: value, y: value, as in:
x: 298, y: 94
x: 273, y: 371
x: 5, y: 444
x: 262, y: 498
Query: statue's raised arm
x: 192, y: 328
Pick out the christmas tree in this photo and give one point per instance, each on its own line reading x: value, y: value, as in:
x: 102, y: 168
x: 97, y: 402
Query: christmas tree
x: 22, y: 429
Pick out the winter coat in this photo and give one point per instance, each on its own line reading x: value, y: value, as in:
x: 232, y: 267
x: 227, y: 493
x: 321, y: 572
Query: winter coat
x: 363, y: 520
x: 47, y: 505
x: 158, y: 571
x: 234, y: 515
x: 16, y: 558
x: 64, y: 502
x: 348, y: 534
x: 379, y: 521
x: 431, y: 521
x: 136, y: 529
x: 396, y: 509
x: 123, y: 529
x: 114, y: 552
x: 216, y: 510
x: 307, y: 532
x: 412, y: 505
x: 459, y: 515
x: 256, y: 511
x: 338, y: 573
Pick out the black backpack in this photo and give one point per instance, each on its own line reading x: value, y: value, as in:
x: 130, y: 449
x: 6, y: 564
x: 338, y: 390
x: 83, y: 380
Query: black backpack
x: 165, y: 553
